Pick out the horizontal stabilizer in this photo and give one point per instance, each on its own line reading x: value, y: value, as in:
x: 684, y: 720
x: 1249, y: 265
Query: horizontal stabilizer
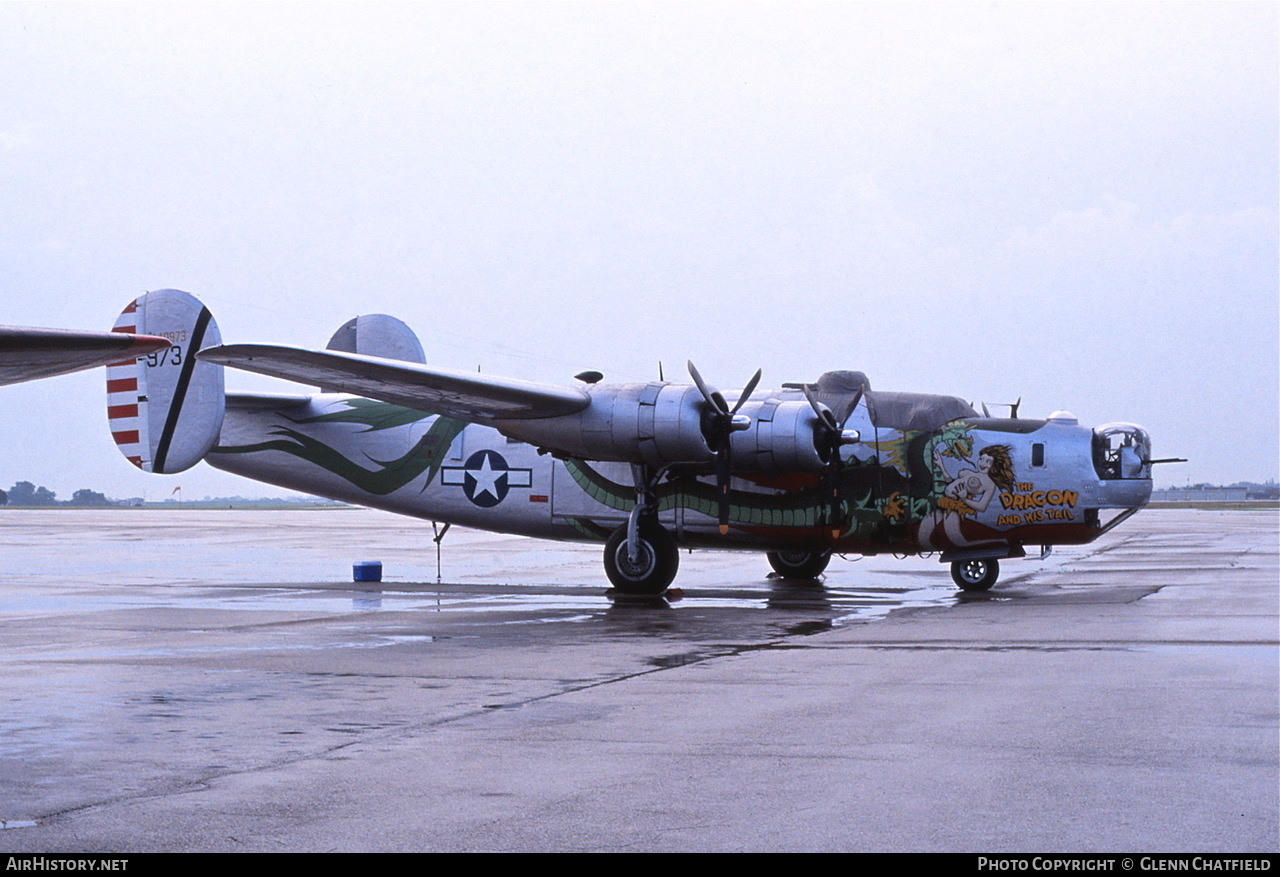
x: 27, y: 354
x: 466, y: 395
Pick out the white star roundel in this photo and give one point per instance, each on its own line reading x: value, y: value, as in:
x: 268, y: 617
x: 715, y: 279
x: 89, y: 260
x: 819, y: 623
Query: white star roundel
x: 486, y: 482
x: 486, y: 478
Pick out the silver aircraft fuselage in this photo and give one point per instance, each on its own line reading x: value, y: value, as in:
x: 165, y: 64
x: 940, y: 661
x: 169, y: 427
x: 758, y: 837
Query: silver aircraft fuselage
x: 972, y: 481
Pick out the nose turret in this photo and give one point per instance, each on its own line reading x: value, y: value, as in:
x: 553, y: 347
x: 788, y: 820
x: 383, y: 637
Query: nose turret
x: 1122, y: 460
x: 1121, y: 451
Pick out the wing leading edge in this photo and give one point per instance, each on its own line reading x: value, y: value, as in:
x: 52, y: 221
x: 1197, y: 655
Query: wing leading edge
x: 464, y: 395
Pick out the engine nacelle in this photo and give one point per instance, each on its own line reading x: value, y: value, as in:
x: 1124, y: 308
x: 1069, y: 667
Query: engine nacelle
x: 654, y: 423
x: 659, y: 424
x: 780, y: 439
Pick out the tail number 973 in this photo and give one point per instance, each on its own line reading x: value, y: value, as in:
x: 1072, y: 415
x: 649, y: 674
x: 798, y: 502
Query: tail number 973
x: 172, y: 356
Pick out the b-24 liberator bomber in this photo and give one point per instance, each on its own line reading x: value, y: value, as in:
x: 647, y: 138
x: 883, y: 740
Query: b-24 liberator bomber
x: 799, y: 473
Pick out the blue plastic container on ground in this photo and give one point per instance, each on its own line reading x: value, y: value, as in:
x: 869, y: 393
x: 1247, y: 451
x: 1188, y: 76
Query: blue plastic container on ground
x: 367, y: 571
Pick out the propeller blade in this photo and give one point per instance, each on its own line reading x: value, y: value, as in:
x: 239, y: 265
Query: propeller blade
x: 827, y: 440
x: 719, y: 422
x: 717, y: 404
x: 813, y: 401
x: 847, y: 409
x: 748, y: 390
x: 827, y: 432
x: 723, y: 469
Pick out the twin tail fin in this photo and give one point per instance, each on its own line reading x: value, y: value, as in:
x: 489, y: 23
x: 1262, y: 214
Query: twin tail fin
x: 165, y: 409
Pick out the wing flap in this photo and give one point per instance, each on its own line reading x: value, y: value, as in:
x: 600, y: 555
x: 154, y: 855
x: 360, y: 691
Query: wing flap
x: 267, y: 401
x: 465, y: 395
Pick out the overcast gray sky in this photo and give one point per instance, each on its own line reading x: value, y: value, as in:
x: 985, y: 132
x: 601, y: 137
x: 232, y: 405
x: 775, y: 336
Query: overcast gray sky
x: 1075, y: 204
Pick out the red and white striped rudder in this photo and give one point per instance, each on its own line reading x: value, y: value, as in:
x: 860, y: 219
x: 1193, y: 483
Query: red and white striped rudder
x: 165, y: 409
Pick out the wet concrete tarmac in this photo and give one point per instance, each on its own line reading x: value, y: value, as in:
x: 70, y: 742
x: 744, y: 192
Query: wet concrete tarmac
x: 212, y: 680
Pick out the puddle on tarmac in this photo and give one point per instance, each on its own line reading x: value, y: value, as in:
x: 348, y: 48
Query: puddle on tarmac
x: 298, y: 565
x: 533, y: 603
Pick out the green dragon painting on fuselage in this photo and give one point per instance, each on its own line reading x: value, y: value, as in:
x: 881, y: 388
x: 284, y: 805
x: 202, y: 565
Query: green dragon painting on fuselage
x: 426, y: 455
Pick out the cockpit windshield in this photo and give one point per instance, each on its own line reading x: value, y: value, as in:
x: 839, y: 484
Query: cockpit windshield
x: 1121, y: 450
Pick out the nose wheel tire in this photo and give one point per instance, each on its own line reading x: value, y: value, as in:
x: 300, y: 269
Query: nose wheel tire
x: 799, y: 564
x: 652, y: 570
x: 975, y: 575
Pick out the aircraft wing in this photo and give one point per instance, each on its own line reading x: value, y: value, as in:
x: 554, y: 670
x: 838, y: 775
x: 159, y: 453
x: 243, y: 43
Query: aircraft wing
x: 27, y: 354
x: 465, y: 395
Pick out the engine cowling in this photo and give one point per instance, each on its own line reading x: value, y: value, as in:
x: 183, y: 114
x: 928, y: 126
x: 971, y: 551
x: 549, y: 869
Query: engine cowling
x: 659, y: 424
x: 653, y: 423
x: 780, y: 438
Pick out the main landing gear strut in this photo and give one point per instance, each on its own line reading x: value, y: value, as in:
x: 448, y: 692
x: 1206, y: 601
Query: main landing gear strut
x: 641, y: 557
x: 650, y: 569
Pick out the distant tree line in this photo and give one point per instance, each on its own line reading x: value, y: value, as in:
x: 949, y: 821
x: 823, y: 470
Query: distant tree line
x: 26, y: 493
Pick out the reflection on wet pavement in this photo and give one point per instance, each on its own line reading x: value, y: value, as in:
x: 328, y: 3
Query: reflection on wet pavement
x: 294, y: 562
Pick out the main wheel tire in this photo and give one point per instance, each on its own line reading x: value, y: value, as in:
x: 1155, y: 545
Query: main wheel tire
x: 654, y: 568
x: 799, y: 564
x: 975, y: 575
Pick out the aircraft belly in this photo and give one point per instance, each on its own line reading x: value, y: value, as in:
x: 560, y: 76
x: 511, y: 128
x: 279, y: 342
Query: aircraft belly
x: 764, y: 513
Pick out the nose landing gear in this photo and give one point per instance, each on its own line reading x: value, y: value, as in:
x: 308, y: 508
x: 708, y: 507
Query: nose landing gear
x: 975, y: 574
